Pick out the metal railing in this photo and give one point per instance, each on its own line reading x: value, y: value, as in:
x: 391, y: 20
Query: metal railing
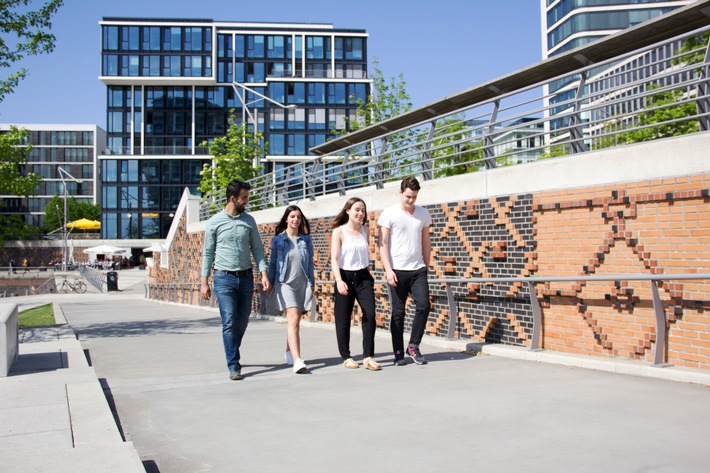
x: 157, y: 151
x: 654, y: 92
x: 177, y: 292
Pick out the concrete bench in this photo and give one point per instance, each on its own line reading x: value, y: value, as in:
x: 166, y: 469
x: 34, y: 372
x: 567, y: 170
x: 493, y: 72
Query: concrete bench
x: 9, y: 337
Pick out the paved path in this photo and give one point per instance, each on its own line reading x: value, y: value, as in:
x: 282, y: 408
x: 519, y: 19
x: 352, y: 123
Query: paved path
x: 162, y: 367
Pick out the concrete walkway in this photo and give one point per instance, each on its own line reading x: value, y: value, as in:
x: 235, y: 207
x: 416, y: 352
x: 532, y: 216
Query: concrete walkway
x: 162, y: 369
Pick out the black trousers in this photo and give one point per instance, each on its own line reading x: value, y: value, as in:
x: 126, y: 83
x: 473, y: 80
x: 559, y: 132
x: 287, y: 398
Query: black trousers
x: 361, y: 287
x: 414, y: 283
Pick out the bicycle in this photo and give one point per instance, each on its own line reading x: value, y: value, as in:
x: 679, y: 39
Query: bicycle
x: 78, y: 286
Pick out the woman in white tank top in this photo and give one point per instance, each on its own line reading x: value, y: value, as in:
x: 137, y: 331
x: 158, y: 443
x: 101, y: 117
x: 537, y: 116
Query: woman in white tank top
x: 350, y: 261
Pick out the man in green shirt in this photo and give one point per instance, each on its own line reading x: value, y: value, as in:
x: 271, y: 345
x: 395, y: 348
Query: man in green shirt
x: 231, y: 239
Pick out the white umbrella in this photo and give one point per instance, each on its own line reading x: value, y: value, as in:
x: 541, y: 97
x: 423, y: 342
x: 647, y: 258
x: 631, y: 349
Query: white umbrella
x: 106, y: 249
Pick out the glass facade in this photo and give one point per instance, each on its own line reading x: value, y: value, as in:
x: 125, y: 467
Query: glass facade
x: 573, y: 23
x: 171, y: 85
x: 71, y: 147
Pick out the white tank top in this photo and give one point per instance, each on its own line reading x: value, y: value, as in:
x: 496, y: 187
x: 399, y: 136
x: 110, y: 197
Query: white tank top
x: 354, y: 251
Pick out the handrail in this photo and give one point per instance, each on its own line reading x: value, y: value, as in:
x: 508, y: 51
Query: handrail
x: 660, y: 316
x: 529, y: 118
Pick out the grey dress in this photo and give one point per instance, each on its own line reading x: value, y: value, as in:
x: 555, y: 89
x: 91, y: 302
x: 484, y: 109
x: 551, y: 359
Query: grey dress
x: 295, y: 290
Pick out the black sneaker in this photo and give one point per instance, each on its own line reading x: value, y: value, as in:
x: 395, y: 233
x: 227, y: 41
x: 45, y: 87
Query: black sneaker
x: 399, y: 359
x: 416, y: 355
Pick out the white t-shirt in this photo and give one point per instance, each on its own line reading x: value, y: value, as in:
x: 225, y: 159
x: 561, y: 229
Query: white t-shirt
x: 405, y: 243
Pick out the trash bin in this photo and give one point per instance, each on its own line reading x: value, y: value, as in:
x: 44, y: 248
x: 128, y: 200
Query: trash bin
x: 112, y: 281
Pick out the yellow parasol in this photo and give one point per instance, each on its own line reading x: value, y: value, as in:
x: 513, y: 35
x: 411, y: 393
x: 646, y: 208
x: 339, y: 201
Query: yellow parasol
x: 84, y: 224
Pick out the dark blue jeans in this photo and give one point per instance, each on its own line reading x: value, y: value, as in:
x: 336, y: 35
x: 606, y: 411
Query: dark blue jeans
x: 234, y: 296
x: 414, y: 283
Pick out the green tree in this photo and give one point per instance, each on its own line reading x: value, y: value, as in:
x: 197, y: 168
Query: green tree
x: 24, y: 31
x: 233, y: 157
x: 453, y: 151
x: 15, y: 180
x: 388, y: 98
x: 14, y: 150
x: 76, y: 209
x: 693, y: 50
x: 663, y: 108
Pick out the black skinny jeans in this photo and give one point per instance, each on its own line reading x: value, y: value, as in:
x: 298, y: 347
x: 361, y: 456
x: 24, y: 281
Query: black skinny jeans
x: 361, y: 287
x: 414, y: 283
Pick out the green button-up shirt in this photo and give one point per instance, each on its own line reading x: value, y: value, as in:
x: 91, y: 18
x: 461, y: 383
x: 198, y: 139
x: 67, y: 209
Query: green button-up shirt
x: 230, y: 242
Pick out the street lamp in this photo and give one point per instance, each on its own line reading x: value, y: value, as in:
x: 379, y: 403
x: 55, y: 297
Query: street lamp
x: 65, y: 234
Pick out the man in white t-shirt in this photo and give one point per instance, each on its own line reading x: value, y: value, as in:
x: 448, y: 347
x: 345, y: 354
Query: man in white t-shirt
x: 405, y: 249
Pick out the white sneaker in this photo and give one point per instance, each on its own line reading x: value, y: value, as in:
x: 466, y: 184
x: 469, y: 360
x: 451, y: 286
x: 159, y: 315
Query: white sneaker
x: 289, y: 358
x: 299, y: 366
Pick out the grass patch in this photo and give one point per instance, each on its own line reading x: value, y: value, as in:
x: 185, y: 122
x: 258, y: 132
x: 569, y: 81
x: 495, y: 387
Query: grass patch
x: 41, y: 315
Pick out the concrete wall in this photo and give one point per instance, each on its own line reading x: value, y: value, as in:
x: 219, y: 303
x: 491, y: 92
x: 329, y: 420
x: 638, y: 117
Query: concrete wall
x: 640, y: 209
x: 9, y: 337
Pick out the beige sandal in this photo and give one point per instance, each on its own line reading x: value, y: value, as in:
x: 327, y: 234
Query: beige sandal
x: 371, y: 364
x: 350, y: 363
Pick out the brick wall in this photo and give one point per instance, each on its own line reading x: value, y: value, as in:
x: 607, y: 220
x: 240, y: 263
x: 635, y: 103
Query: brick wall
x: 649, y: 227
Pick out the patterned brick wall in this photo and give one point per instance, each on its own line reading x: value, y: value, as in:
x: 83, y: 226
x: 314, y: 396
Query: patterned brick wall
x: 656, y: 227
x: 651, y: 227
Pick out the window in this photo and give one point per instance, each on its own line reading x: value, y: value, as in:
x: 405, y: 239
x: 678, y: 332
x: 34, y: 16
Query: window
x: 277, y: 119
x: 109, y: 200
x: 130, y: 65
x: 151, y: 38
x: 151, y: 198
x: 193, y: 39
x: 130, y: 38
x: 192, y: 169
x: 129, y: 171
x: 296, y: 93
x: 109, y: 227
x: 110, y: 65
x: 296, y: 145
x: 193, y: 66
x: 110, y: 38
x: 275, y: 47
x: 172, y: 39
x: 255, y: 46
x: 353, y: 48
x: 151, y: 66
x: 255, y: 72
x: 171, y: 172
x: 297, y: 119
x: 277, y: 91
x: 239, y: 46
x: 357, y: 94
x: 316, y: 93
x: 336, y: 94
x: 276, y: 145
x: 314, y: 47
x: 316, y: 119
x: 336, y: 119
x: 171, y: 66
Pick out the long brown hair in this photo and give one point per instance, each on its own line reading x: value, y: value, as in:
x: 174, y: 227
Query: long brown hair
x: 343, y: 217
x: 304, y: 228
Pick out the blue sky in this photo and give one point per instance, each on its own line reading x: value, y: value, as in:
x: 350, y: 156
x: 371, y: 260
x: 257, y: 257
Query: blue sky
x: 440, y: 46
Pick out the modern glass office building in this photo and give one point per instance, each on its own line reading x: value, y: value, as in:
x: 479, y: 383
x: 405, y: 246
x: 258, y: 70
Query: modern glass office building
x: 171, y: 84
x: 73, y: 148
x: 568, y: 24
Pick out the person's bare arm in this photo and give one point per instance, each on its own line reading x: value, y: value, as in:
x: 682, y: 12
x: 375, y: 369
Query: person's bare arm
x: 384, y: 240
x: 426, y: 246
x: 336, y: 241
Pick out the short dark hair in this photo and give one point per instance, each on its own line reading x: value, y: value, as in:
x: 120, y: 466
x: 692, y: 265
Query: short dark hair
x: 410, y: 183
x: 235, y: 187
